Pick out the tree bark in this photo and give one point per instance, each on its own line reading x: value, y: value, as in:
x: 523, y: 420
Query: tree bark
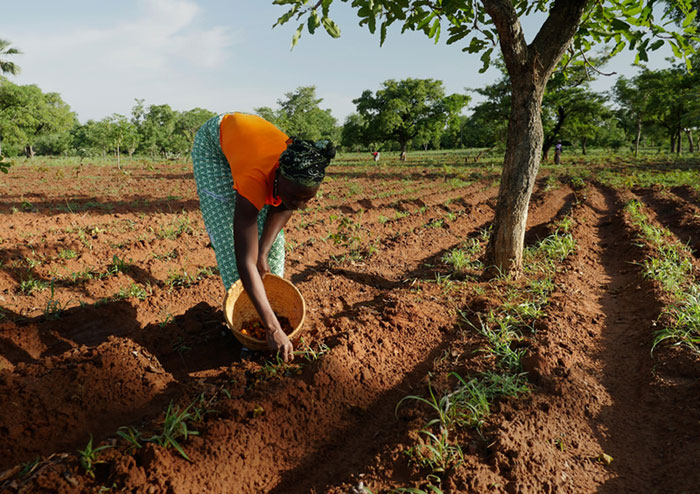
x: 29, y: 151
x: 529, y: 68
x: 584, y: 141
x: 691, y: 144
x: 521, y: 162
x: 549, y: 141
x: 639, y: 135
x: 404, y: 148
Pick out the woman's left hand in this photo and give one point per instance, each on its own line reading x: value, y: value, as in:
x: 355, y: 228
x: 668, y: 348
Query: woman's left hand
x: 279, y: 343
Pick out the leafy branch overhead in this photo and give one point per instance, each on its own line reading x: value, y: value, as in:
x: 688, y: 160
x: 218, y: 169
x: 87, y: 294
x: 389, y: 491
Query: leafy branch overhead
x: 634, y: 24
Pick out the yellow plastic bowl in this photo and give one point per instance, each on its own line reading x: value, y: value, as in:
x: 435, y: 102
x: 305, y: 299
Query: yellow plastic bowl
x: 285, y: 299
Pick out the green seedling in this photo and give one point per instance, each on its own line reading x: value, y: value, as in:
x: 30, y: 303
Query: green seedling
x: 32, y: 285
x: 89, y: 457
x: 67, y: 254
x: 134, y: 290
x: 54, y: 308
x: 309, y: 354
x: 175, y: 428
x: 118, y: 265
x: 132, y: 437
x: 436, y: 452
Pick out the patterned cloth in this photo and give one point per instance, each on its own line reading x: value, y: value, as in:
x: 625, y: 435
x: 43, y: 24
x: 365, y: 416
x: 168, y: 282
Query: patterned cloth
x: 305, y: 162
x: 217, y: 200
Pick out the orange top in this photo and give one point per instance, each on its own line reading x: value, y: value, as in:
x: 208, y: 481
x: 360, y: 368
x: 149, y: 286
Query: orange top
x: 252, y: 147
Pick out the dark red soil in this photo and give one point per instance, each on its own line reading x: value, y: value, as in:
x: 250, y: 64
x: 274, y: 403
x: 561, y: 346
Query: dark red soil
x: 90, y: 356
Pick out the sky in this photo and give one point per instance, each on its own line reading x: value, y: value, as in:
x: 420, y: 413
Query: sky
x: 223, y: 55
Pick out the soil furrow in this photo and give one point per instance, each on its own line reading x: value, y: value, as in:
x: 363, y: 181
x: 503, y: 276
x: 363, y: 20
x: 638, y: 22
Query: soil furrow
x: 678, y: 216
x: 597, y: 390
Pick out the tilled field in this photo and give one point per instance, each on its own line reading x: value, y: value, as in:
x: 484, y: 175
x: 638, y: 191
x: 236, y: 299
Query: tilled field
x: 111, y: 315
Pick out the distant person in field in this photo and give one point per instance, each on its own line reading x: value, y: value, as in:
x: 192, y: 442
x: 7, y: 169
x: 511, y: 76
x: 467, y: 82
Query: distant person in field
x: 375, y: 155
x: 250, y: 178
x: 558, y: 148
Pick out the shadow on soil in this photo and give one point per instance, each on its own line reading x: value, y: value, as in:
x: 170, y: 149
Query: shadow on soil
x: 644, y: 417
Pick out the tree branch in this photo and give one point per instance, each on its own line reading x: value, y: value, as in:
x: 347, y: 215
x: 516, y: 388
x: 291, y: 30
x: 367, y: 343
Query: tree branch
x: 555, y: 35
x: 589, y: 64
x: 510, y: 33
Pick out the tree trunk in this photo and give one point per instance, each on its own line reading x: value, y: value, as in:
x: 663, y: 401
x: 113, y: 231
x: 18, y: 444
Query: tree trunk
x: 584, y: 141
x: 639, y: 135
x: 520, y: 165
x: 404, y: 148
x: 691, y: 144
x: 119, y: 164
x: 549, y: 141
x: 673, y: 142
x: 29, y: 151
x: 529, y: 66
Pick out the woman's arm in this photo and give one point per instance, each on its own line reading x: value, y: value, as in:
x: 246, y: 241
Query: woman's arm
x: 276, y: 219
x: 245, y: 237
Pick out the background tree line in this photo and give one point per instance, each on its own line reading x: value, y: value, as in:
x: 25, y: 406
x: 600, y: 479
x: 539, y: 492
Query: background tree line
x: 654, y: 108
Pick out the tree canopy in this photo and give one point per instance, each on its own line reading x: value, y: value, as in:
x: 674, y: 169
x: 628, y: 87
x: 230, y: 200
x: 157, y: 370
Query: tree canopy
x: 406, y: 110
x: 300, y: 115
x: 28, y: 114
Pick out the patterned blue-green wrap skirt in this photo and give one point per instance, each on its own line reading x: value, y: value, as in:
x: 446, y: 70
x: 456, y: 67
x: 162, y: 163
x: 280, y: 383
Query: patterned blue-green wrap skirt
x: 217, y: 201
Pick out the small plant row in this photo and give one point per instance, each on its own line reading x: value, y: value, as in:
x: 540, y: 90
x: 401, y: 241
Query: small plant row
x: 644, y: 176
x: 467, y: 403
x: 669, y: 263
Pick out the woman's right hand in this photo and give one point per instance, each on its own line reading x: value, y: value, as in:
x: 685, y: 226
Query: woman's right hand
x: 279, y: 343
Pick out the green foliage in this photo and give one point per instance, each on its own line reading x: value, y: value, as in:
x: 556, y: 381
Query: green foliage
x: 31, y: 285
x: 625, y: 23
x: 300, y: 115
x: 669, y: 263
x: 134, y: 290
x: 175, y: 428
x: 118, y: 265
x: 466, y: 257
x: 7, y: 67
x: 435, y: 452
x: 405, y: 111
x: 132, y: 437
x: 27, y: 114
x: 660, y: 104
x: 89, y: 457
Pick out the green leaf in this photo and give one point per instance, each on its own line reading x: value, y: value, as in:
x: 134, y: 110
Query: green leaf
x: 690, y: 18
x: 382, y: 34
x: 325, y: 5
x: 313, y: 22
x: 435, y: 30
x: 485, y: 60
x: 656, y: 45
x: 619, y: 25
x: 396, y: 11
x: 676, y: 49
x: 643, y: 55
x: 331, y: 27
x: 297, y: 35
x: 285, y: 17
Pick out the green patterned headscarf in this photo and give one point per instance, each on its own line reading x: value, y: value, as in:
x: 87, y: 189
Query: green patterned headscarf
x: 304, y: 162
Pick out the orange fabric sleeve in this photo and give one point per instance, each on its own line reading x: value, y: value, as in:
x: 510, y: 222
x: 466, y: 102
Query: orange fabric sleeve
x: 252, y: 147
